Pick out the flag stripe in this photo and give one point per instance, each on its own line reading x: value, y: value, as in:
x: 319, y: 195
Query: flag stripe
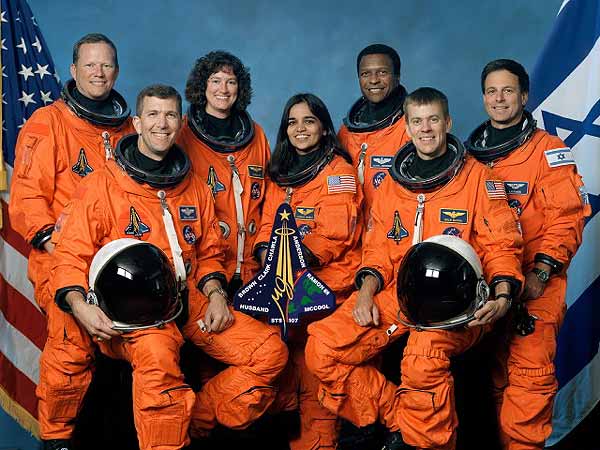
x: 21, y: 314
x: 578, y: 18
x: 20, y: 388
x: 21, y: 352
x: 575, y: 399
x: 13, y: 268
x: 11, y: 236
x: 573, y: 352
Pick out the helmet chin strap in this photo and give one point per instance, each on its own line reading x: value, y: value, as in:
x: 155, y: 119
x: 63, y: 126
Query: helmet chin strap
x: 176, y: 251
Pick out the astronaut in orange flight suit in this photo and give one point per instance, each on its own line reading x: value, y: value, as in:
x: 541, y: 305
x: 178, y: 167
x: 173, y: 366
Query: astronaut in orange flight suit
x: 227, y: 147
x: 149, y: 194
x: 314, y: 175
x: 545, y: 190
x: 435, y: 187
x: 57, y: 147
x: 375, y: 127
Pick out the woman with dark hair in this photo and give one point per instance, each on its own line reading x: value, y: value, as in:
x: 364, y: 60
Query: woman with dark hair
x: 314, y: 174
x: 230, y: 152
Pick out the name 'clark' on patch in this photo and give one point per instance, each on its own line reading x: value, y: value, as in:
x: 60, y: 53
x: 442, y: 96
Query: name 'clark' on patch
x: 341, y: 183
x: 495, y: 189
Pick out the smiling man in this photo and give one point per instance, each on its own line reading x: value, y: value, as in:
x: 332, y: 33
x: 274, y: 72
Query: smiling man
x: 433, y: 188
x: 58, y: 147
x: 374, y: 128
x: 148, y: 193
x: 545, y: 190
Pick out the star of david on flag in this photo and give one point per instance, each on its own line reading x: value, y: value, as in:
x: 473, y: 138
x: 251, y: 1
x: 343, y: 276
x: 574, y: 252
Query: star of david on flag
x: 565, y: 100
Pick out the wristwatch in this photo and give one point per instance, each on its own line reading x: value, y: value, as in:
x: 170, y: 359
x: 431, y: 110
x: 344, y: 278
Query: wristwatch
x: 542, y: 275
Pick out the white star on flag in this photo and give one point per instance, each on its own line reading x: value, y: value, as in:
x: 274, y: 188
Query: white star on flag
x: 24, y: 120
x: 4, y: 101
x: 3, y: 74
x: 2, y: 18
x: 37, y: 45
x: 27, y: 98
x: 3, y: 47
x: 22, y: 46
x: 34, y: 21
x: 42, y: 70
x: 26, y: 72
x: 57, y: 77
x: 46, y: 97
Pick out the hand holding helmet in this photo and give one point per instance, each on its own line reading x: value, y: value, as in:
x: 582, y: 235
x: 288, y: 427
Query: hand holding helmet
x: 133, y: 283
x: 440, y: 284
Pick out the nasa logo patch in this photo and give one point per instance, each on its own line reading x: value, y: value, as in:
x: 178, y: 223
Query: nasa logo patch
x: 255, y: 191
x: 452, y: 231
x: 516, y: 205
x: 304, y: 229
x: 188, y: 235
x: 377, y: 179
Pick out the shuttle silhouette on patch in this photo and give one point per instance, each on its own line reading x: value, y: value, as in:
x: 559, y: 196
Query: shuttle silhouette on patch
x: 286, y: 288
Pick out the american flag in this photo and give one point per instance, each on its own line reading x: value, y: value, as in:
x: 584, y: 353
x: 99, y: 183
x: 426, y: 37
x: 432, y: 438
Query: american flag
x: 29, y: 81
x: 341, y: 183
x: 495, y: 189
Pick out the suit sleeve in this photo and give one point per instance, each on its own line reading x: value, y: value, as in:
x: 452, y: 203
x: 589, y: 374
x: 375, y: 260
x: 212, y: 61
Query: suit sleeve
x: 33, y: 181
x: 498, y: 239
x: 83, y: 227
x: 562, y: 194
x: 210, y: 248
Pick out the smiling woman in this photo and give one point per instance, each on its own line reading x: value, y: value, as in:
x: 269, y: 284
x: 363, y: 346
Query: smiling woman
x: 313, y: 174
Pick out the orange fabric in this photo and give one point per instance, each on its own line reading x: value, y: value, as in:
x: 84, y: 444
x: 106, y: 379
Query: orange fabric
x: 338, y: 350
x: 251, y: 162
x: 552, y: 217
x: 162, y: 401
x: 102, y: 212
x: 47, y: 150
x: 108, y: 202
x: 384, y: 142
x: 241, y: 393
x: 329, y: 222
x: 526, y: 380
x: 65, y: 374
x: 462, y: 207
x: 331, y: 227
x: 425, y: 407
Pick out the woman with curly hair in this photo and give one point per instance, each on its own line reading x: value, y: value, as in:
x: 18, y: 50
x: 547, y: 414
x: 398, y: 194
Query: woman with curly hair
x: 314, y: 174
x: 230, y: 152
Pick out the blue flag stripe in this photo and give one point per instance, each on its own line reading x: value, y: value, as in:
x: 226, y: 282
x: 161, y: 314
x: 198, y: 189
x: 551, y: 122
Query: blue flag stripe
x: 573, y: 352
x: 560, y: 56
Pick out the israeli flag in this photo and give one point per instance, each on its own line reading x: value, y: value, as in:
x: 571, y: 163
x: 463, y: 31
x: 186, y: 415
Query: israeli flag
x: 565, y: 100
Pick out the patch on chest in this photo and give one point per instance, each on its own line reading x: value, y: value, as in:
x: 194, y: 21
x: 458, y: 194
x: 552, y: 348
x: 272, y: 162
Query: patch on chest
x: 82, y: 167
x: 453, y: 215
x: 136, y: 226
x: 516, y: 187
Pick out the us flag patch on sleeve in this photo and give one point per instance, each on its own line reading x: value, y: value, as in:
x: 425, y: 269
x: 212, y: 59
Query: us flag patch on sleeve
x: 341, y: 183
x: 559, y: 157
x: 495, y: 189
